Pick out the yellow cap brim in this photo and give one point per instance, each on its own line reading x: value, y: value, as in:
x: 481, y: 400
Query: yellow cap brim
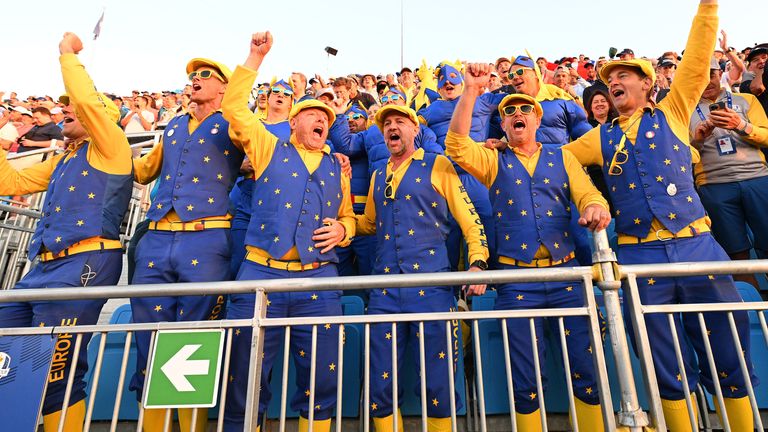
x: 643, y: 66
x: 199, y: 62
x: 312, y: 104
x: 389, y: 109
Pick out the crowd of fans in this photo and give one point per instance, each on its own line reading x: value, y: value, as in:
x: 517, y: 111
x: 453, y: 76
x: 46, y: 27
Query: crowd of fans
x: 568, y: 99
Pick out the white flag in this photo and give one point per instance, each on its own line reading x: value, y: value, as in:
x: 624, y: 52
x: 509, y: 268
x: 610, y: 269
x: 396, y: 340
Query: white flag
x: 97, y: 29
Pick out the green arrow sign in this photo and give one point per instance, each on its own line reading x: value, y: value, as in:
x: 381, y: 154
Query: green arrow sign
x: 184, y: 369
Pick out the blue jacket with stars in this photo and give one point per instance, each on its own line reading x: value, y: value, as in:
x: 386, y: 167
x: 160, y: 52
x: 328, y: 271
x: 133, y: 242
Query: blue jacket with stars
x: 655, y: 180
x: 82, y: 202
x: 413, y: 227
x: 289, y: 203
x: 198, y: 170
x: 532, y: 211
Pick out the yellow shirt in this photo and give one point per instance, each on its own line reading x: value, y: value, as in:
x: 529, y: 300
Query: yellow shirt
x: 483, y: 164
x: 446, y: 182
x: 109, y: 150
x: 690, y: 81
x: 259, y: 145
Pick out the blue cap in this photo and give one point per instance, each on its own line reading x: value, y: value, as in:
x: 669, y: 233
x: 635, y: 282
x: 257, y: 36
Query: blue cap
x: 524, y: 61
x: 355, y: 108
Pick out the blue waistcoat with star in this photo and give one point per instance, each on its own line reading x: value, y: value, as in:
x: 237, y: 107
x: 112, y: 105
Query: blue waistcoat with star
x: 289, y: 203
x: 411, y: 229
x: 198, y: 171
x: 655, y: 181
x: 82, y: 202
x: 532, y: 210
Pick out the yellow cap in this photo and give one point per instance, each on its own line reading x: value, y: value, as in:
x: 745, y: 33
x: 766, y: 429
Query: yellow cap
x: 388, y: 109
x: 199, y: 62
x: 644, y: 66
x: 519, y: 97
x: 312, y: 103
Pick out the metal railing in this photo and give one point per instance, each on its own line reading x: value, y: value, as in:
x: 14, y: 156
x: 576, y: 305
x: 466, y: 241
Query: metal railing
x: 606, y: 272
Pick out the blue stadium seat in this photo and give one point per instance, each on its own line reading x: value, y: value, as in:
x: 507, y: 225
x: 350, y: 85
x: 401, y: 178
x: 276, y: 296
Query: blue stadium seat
x: 353, y: 360
x: 110, y: 371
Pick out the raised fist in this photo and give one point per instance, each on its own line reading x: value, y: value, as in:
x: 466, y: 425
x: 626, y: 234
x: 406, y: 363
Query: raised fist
x: 261, y: 43
x: 70, y: 43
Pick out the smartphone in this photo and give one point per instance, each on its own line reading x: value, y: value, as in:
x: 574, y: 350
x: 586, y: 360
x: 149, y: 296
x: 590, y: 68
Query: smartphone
x: 717, y: 106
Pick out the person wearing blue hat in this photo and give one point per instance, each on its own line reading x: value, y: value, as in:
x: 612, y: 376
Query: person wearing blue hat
x: 77, y: 239
x: 450, y: 84
x: 196, y: 163
x: 408, y: 205
x: 301, y: 210
x: 532, y: 191
x: 646, y: 158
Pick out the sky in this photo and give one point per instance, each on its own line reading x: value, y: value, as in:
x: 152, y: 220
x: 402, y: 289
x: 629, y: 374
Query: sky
x: 145, y: 44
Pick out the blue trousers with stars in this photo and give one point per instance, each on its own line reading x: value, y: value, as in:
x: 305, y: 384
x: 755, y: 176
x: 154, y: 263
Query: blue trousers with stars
x: 437, y: 355
x: 539, y: 295
x: 168, y: 257
x: 84, y: 269
x: 692, y: 289
x: 280, y: 305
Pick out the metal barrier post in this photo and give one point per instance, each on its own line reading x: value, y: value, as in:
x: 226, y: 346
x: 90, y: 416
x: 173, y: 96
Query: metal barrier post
x: 254, y: 372
x: 630, y: 414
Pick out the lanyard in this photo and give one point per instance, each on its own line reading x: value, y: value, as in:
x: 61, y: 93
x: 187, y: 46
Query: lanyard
x: 729, y: 101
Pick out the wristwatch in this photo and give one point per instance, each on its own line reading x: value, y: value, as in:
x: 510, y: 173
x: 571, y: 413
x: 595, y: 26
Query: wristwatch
x: 482, y: 265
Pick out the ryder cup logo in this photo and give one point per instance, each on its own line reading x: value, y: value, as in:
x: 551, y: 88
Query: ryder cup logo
x: 5, y: 364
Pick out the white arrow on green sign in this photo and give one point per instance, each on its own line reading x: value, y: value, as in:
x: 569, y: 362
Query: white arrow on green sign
x: 184, y: 369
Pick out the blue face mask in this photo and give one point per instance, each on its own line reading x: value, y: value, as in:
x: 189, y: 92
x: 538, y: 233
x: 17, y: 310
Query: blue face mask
x: 449, y: 74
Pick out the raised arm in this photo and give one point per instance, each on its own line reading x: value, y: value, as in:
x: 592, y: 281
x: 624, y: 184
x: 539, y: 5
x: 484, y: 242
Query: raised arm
x: 476, y: 159
x: 109, y: 150
x: 245, y: 128
x: 693, y: 73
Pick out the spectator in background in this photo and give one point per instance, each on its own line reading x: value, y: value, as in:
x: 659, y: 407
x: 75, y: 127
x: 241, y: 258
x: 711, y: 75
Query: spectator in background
x: 591, y: 72
x: 754, y: 79
x: 734, y: 66
x: 369, y: 86
x: 169, y: 110
x: 600, y: 109
x: 355, y: 95
x: 57, y: 115
x: 140, y: 118
x: 502, y: 67
x: 494, y: 83
x: 44, y: 134
x: 325, y: 95
x: 8, y: 132
x: 408, y: 82
x: 299, y: 84
x: 732, y: 177
x: 665, y: 73
x: 22, y: 119
x: 626, y: 54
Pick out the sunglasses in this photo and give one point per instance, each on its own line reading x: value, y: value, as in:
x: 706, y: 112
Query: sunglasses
x: 261, y: 91
x: 518, y: 72
x: 205, y: 74
x: 512, y: 109
x: 284, y: 91
x: 355, y: 116
x: 394, y: 97
x: 620, y: 157
x: 389, y: 193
